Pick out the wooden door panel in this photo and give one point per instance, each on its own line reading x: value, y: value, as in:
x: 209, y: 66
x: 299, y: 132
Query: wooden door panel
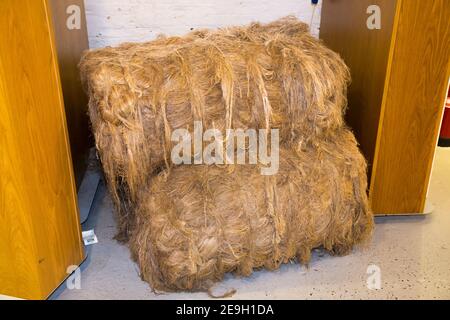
x: 412, y: 108
x: 70, y: 45
x: 39, y: 226
x: 366, y: 52
x: 399, y: 78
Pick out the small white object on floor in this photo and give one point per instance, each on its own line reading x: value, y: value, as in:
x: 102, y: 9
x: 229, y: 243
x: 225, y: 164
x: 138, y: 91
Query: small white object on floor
x: 89, y: 237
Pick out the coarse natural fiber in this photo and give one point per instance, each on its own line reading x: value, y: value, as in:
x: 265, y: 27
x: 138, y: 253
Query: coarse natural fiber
x: 260, y: 76
x: 197, y: 223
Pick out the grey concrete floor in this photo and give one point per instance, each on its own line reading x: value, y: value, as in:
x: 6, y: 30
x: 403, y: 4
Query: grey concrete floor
x: 412, y: 255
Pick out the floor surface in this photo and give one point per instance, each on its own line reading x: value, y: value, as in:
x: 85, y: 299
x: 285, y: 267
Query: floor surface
x: 408, y: 258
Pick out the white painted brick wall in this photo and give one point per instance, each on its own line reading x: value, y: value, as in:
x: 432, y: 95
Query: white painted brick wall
x: 111, y: 22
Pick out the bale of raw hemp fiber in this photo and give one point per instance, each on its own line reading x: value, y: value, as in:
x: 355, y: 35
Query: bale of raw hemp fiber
x: 197, y: 223
x: 258, y: 76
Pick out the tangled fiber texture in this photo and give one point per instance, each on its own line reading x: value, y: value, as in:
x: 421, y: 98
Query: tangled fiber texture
x: 187, y: 226
x: 259, y: 76
x: 199, y: 222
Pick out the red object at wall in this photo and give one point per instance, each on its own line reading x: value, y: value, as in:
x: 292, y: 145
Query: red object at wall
x: 444, y: 137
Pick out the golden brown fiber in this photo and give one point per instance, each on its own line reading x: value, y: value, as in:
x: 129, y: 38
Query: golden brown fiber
x: 259, y: 76
x: 189, y: 225
x: 199, y: 222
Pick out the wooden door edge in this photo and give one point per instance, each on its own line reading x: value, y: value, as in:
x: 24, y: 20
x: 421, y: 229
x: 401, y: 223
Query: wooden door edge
x: 385, y: 95
x: 63, y: 120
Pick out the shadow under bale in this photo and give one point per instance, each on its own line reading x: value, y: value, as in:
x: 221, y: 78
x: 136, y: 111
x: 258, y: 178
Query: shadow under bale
x: 197, y: 223
x: 259, y: 76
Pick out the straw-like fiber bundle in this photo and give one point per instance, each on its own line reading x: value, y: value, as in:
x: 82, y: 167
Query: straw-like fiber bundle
x: 259, y: 76
x: 197, y: 223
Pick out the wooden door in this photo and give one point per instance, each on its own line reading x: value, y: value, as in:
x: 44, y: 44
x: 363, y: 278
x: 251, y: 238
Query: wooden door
x: 70, y: 44
x: 399, y: 78
x: 366, y: 52
x: 39, y: 226
x: 412, y: 107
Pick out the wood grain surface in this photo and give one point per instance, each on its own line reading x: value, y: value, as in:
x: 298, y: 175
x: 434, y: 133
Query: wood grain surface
x: 366, y: 52
x: 39, y: 228
x: 413, y: 107
x: 400, y: 75
x: 70, y: 45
